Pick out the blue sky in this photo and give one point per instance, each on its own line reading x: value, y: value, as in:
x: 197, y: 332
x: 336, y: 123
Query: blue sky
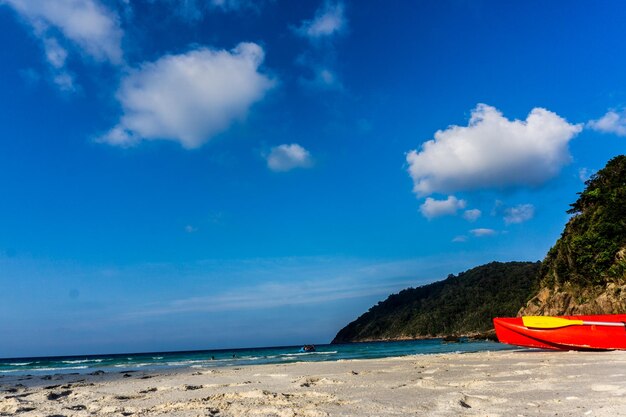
x: 226, y: 173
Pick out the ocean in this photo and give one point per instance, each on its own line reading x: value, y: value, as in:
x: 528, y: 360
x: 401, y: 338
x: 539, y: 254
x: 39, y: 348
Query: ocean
x: 234, y: 357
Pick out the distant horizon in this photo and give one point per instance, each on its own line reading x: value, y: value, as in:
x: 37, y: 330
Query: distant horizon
x: 177, y: 175
x: 95, y: 355
x: 244, y: 347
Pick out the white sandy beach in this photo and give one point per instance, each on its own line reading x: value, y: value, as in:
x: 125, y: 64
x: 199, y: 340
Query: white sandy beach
x: 510, y: 383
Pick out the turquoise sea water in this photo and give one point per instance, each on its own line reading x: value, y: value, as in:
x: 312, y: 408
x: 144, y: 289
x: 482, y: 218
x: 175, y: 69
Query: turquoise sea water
x: 233, y: 357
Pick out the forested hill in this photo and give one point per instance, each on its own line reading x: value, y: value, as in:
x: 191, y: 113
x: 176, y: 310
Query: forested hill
x: 459, y: 305
x: 585, y: 271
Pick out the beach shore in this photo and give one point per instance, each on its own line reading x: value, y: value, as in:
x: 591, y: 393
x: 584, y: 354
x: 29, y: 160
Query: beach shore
x: 505, y: 383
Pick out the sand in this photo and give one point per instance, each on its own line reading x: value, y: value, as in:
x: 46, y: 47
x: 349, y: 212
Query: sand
x: 506, y: 383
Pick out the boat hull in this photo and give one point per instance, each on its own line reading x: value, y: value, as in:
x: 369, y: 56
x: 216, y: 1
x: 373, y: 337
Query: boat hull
x: 511, y: 330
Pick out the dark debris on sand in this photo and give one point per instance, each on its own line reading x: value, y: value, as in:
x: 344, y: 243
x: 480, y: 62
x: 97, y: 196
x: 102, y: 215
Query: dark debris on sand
x: 53, y: 396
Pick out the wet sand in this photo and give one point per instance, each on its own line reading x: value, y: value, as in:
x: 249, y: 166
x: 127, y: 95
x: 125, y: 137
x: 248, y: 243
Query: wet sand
x: 506, y: 383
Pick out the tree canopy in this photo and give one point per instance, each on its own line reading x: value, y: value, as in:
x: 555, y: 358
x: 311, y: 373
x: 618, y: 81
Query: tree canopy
x: 588, y: 252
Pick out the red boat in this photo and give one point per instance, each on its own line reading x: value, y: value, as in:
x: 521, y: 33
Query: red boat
x: 597, y: 332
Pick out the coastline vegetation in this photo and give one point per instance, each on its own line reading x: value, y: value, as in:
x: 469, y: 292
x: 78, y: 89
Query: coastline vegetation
x: 462, y: 304
x: 591, y: 250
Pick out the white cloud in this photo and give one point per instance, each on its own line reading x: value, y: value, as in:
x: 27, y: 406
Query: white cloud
x: 231, y: 5
x: 189, y: 98
x: 519, y: 213
x: 270, y: 295
x: 55, y: 53
x: 493, y: 151
x: 432, y: 208
x: 190, y: 229
x: 585, y: 173
x: 195, y: 10
x: 327, y: 77
x: 611, y: 122
x: 328, y: 20
x: 86, y: 23
x: 472, y: 215
x: 498, y: 208
x: 460, y: 239
x: 316, y: 284
x: 56, y: 56
x: 64, y: 81
x: 323, y: 79
x: 287, y: 157
x: 483, y: 232
x: 60, y: 24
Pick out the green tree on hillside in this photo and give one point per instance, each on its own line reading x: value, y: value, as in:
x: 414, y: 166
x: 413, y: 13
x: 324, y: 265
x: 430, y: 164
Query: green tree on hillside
x: 591, y: 248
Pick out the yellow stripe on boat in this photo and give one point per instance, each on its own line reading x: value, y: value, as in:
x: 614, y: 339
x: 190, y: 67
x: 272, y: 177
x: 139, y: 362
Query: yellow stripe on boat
x: 547, y: 322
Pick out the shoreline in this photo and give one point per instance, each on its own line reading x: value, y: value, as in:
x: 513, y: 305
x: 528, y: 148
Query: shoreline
x: 493, y: 383
x: 476, y: 336
x: 488, y: 335
x: 159, y: 361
